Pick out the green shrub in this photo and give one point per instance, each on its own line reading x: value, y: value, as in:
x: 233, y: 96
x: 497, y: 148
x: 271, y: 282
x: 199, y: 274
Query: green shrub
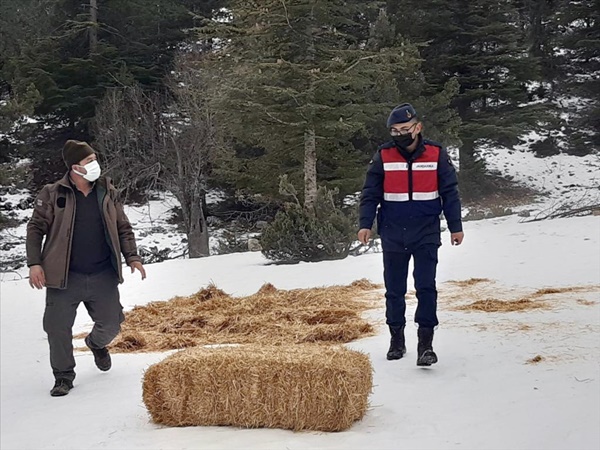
x: 297, y: 235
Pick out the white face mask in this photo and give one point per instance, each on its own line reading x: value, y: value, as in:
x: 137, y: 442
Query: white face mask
x: 93, y: 171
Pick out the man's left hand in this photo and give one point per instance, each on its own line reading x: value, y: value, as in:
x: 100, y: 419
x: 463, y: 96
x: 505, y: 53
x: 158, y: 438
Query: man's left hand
x: 138, y: 265
x: 457, y: 238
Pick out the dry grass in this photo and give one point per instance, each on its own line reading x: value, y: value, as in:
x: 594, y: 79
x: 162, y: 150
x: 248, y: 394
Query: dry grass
x: 492, y: 298
x: 293, y: 387
x: 271, y: 316
x: 492, y: 305
x: 536, y: 359
x: 586, y: 302
x: 469, y: 282
x: 562, y: 290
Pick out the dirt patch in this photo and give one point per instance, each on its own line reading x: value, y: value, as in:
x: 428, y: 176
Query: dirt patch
x: 497, y: 193
x: 271, y: 316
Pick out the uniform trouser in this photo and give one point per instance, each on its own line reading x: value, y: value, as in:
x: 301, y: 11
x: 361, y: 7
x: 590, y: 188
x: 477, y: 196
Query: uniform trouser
x: 395, y: 275
x: 100, y: 294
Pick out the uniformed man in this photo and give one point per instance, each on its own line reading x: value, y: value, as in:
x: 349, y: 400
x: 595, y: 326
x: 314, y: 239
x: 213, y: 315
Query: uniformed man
x: 409, y: 183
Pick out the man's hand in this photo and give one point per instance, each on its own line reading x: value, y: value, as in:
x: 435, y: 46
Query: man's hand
x: 138, y: 265
x: 364, y: 235
x: 37, y: 277
x: 457, y: 238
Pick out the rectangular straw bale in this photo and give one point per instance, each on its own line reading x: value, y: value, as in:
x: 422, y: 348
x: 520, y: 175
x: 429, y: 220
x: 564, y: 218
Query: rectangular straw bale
x: 292, y: 387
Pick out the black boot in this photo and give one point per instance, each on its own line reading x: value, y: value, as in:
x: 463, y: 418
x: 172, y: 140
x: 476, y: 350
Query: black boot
x: 101, y: 356
x: 62, y: 386
x: 425, y: 354
x: 397, y: 344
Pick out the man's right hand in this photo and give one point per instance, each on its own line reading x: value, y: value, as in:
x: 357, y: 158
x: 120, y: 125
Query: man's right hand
x: 364, y: 235
x: 37, y: 278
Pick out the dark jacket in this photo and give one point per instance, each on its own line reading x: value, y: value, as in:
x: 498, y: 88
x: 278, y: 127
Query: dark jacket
x: 408, y: 224
x: 53, y: 217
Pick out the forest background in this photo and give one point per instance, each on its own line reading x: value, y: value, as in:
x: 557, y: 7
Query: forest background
x: 278, y: 105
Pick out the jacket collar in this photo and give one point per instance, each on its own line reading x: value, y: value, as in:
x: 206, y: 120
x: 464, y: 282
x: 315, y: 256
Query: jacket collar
x: 65, y: 181
x: 407, y: 155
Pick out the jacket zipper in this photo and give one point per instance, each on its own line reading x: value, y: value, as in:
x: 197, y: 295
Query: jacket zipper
x: 410, y: 180
x: 113, y: 250
x: 70, y: 239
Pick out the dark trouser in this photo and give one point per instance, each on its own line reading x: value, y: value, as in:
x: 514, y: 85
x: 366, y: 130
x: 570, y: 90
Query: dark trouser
x: 395, y: 275
x: 100, y: 294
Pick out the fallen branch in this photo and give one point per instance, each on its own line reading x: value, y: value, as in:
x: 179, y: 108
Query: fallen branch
x: 561, y: 213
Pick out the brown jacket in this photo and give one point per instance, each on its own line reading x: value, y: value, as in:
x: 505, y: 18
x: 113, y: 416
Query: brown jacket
x: 54, y: 217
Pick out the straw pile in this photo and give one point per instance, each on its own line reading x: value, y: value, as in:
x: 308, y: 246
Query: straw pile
x: 536, y: 359
x: 492, y: 305
x: 297, y: 387
x: 273, y: 316
x: 469, y: 282
x: 540, y: 299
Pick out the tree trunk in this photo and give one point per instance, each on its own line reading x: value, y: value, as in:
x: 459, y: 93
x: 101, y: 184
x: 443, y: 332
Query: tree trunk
x: 197, y: 231
x: 94, y: 27
x: 310, y: 143
x: 310, y: 170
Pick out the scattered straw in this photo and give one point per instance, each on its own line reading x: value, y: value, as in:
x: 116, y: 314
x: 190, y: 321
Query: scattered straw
x: 535, y: 360
x: 547, y: 297
x: 271, y: 316
x: 469, y: 282
x: 562, y: 290
x: 586, y: 302
x: 492, y: 305
x: 292, y: 387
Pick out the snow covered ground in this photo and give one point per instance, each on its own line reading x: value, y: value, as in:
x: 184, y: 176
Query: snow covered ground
x: 481, y: 395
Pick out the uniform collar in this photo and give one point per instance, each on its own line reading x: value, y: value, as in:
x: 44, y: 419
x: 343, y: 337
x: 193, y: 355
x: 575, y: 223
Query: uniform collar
x: 409, y: 156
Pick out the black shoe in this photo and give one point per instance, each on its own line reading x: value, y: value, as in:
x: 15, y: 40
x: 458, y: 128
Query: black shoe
x: 101, y: 356
x: 397, y: 345
x: 425, y: 354
x: 62, y: 386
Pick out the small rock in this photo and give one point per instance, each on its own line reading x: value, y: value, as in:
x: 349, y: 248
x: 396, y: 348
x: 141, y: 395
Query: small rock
x: 254, y: 245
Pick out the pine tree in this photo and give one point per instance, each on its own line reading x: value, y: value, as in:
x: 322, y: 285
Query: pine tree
x: 480, y: 44
x: 579, y: 44
x: 307, y: 76
x: 100, y: 44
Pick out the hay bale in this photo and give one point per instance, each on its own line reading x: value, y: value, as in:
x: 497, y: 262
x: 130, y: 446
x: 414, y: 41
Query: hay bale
x: 298, y: 387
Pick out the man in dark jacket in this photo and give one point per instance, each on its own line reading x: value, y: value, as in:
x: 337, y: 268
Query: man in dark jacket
x: 409, y: 183
x: 85, y: 231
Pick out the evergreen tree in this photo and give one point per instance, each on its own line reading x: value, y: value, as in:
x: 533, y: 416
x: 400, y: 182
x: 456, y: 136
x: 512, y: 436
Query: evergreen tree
x: 579, y: 45
x: 480, y: 43
x: 306, y: 77
x: 21, y: 22
x: 100, y: 44
x: 539, y: 28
